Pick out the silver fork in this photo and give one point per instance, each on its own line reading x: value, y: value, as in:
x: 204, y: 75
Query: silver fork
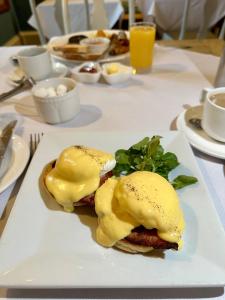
x: 34, y: 141
x: 26, y: 84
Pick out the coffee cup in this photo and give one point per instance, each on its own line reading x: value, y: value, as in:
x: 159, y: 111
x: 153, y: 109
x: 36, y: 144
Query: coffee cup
x: 213, y: 119
x: 35, y: 62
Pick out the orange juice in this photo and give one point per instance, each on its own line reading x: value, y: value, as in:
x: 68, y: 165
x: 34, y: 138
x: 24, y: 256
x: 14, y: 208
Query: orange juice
x: 142, y: 38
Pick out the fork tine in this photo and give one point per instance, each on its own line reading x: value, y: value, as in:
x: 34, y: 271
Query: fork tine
x: 31, y: 145
x: 38, y: 138
x: 35, y: 139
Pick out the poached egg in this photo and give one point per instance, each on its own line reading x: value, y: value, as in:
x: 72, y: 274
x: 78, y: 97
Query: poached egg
x: 77, y: 174
x: 140, y: 199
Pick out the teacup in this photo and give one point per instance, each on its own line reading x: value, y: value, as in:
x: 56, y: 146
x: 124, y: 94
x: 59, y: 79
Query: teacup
x: 213, y: 119
x: 35, y: 62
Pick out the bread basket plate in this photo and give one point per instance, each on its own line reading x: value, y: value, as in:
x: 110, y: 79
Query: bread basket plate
x: 45, y: 247
x: 62, y: 40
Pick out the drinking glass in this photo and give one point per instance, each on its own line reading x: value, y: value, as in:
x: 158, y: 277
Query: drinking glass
x: 142, y: 39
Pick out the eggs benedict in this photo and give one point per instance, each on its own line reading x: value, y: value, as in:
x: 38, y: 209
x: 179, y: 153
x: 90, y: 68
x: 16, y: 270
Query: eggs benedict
x: 75, y: 176
x: 138, y: 213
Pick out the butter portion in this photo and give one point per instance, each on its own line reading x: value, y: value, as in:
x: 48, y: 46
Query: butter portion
x: 112, y: 68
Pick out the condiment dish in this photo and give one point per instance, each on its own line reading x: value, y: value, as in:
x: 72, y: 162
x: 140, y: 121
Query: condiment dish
x: 96, y: 45
x: 88, y: 72
x: 115, y: 73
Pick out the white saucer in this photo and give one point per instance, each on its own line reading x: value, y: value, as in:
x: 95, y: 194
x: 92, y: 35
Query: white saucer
x: 59, y: 70
x: 14, y: 162
x: 197, y: 137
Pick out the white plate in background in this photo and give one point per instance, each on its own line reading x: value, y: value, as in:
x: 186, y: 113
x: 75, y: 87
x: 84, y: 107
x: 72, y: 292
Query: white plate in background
x: 41, y: 247
x: 62, y: 40
x: 14, y: 161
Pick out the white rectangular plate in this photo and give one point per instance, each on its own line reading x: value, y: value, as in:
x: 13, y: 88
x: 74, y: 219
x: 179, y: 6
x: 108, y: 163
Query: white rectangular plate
x: 42, y: 247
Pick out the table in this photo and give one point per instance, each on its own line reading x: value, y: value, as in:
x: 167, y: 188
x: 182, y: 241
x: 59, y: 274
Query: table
x: 161, y: 9
x: 140, y: 103
x: 207, y: 46
x: 45, y: 9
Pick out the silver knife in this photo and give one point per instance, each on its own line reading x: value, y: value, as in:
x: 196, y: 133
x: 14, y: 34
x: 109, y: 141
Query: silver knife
x: 5, y: 138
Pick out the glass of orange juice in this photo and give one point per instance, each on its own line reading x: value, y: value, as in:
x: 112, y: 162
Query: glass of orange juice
x: 142, y: 39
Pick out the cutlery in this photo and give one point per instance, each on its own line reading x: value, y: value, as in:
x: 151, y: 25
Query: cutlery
x: 193, y: 117
x: 196, y: 122
x: 35, y: 139
x: 5, y: 138
x: 26, y: 84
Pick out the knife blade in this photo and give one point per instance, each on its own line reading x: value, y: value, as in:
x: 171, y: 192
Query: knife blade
x: 5, y: 138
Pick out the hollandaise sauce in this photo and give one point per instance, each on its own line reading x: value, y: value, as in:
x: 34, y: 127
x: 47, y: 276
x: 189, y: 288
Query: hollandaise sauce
x: 76, y: 174
x: 141, y: 198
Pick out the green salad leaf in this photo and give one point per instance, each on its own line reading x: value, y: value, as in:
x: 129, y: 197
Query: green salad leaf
x: 182, y: 181
x: 149, y: 155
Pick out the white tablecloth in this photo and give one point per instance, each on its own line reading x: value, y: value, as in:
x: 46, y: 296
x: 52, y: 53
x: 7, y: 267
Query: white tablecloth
x: 46, y: 12
x: 168, y: 13
x: 148, y: 102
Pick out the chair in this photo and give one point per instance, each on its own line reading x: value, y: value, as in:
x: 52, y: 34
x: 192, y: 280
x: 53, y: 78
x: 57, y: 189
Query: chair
x: 183, y: 27
x: 202, y: 33
x: 62, y: 16
x: 205, y: 9
x: 222, y: 31
x: 131, y: 9
x: 184, y: 19
x: 220, y: 74
x: 97, y: 20
x: 40, y: 31
x: 130, y: 14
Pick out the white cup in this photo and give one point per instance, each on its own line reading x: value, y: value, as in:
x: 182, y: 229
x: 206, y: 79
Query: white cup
x: 213, y: 119
x: 57, y: 109
x: 35, y: 62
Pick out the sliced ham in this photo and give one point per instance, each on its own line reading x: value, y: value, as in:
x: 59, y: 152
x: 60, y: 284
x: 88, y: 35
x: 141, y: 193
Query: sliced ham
x: 148, y: 238
x: 90, y: 199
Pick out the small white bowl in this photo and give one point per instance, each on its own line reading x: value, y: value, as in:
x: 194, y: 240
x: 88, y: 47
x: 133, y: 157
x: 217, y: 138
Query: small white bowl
x: 87, y: 77
x: 96, y: 45
x: 57, y: 109
x: 115, y: 73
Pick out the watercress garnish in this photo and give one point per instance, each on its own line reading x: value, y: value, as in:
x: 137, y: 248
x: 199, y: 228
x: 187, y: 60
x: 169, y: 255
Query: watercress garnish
x: 149, y: 155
